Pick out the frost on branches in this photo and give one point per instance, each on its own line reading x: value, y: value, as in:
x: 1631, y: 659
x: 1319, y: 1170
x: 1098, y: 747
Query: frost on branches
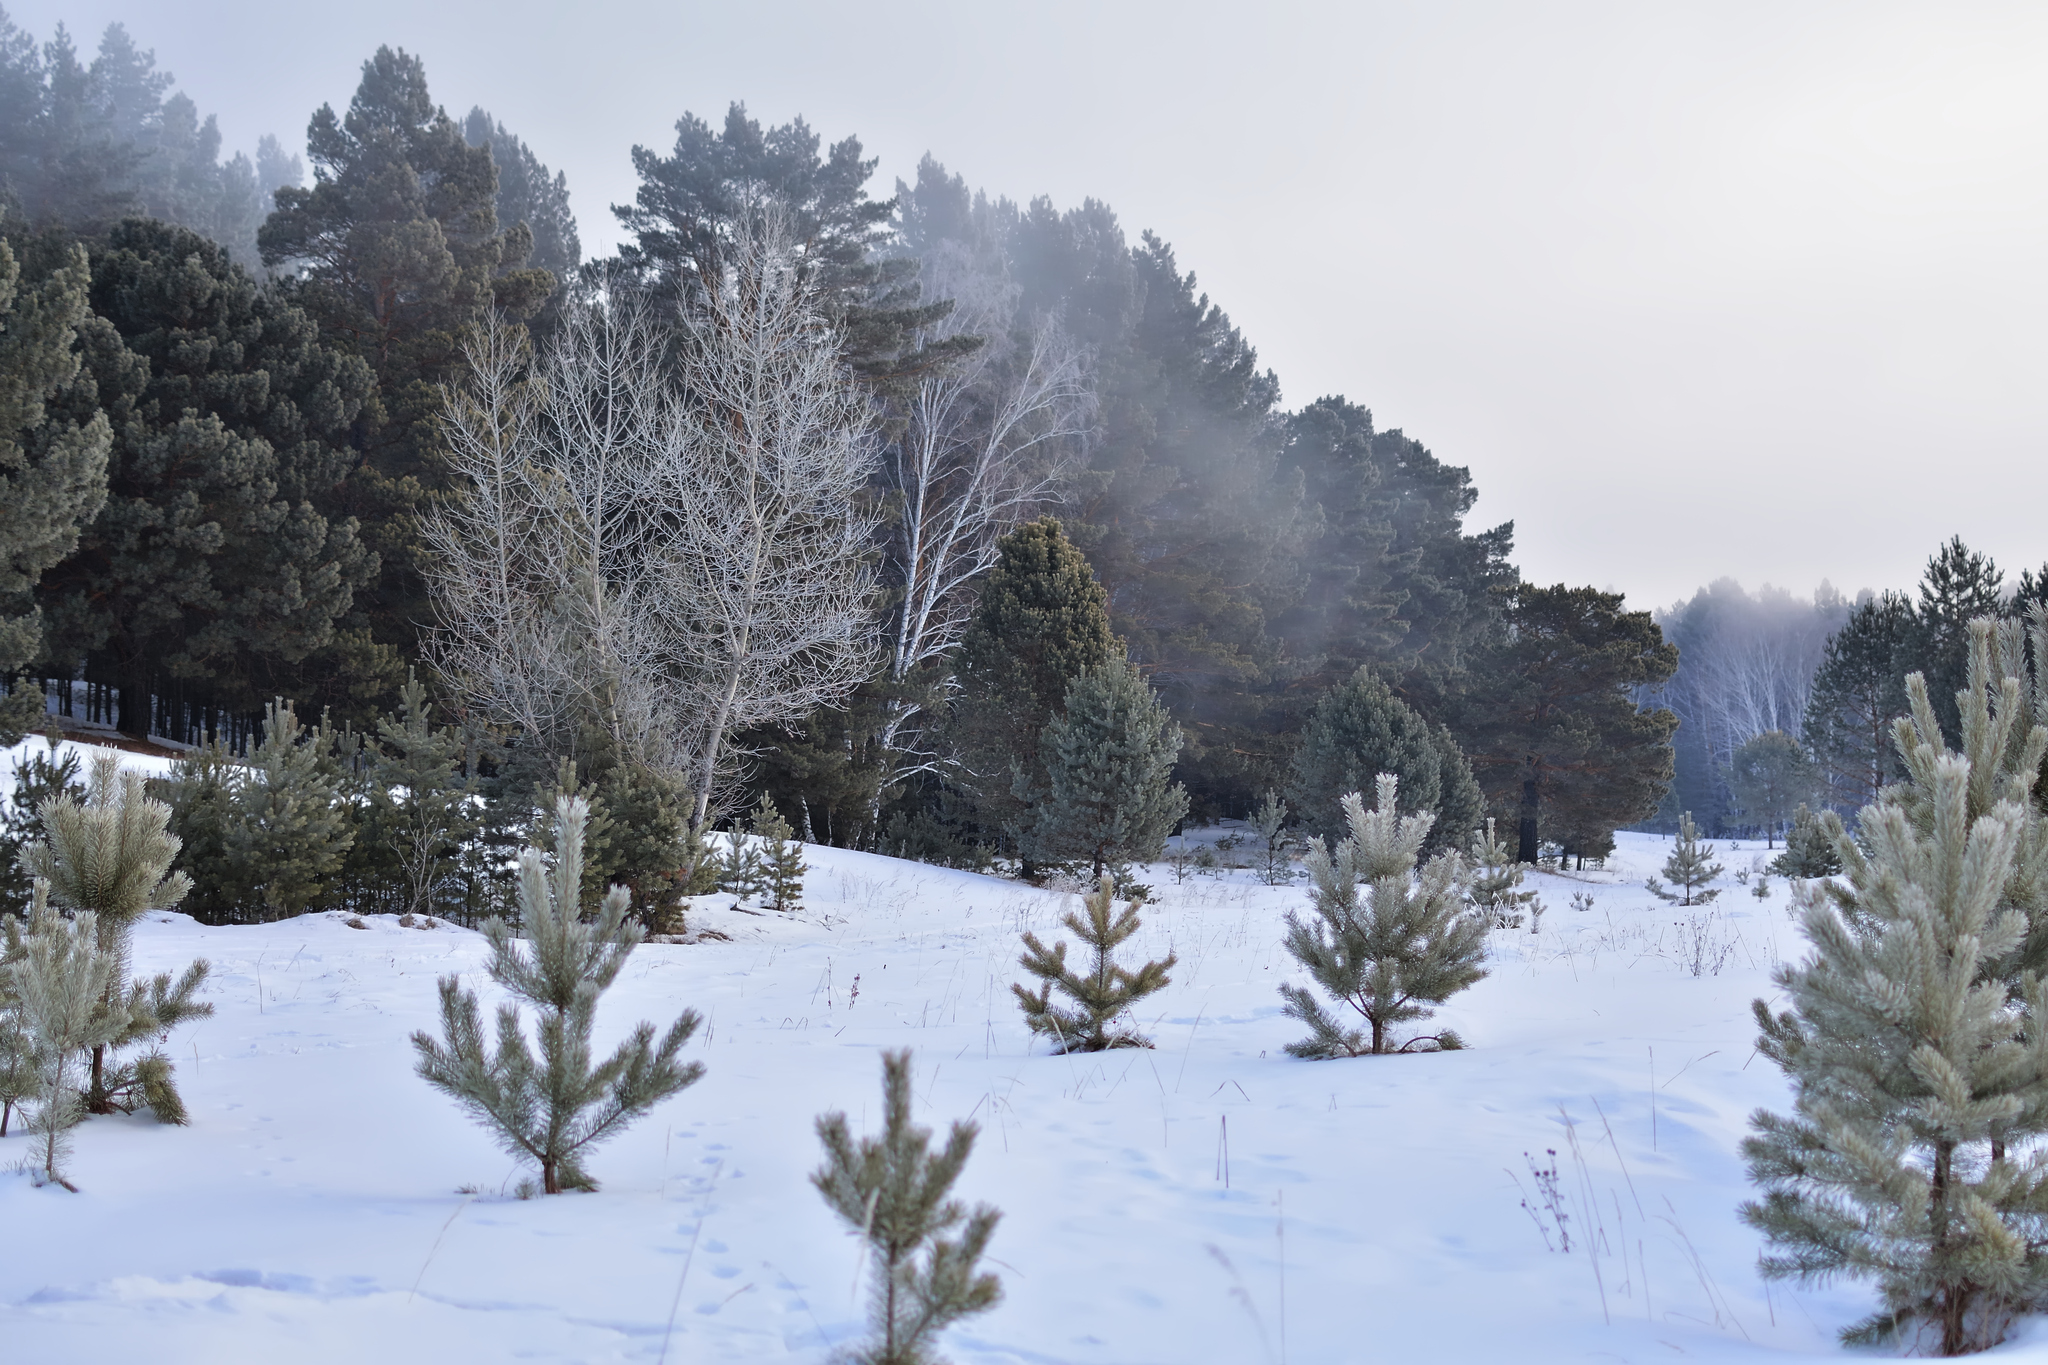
x: 1410, y: 943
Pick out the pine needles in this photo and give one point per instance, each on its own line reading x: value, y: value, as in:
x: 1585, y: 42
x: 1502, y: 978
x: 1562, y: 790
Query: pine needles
x: 892, y: 1190
x: 1103, y: 993
x: 550, y: 1108
x: 1410, y: 944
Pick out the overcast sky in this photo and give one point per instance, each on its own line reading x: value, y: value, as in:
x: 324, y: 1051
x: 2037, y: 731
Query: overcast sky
x: 1749, y: 290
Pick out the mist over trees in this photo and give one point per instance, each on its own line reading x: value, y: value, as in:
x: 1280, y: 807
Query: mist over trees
x: 394, y: 420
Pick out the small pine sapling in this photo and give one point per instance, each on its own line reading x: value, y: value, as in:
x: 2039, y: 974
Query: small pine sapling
x: 1689, y: 868
x: 1494, y: 886
x: 1411, y: 944
x: 110, y: 856
x: 782, y: 858
x: 59, y: 984
x: 1810, y: 846
x: 893, y: 1191
x: 38, y: 776
x: 549, y: 1109
x: 1270, y: 820
x: 1103, y: 993
x: 740, y: 873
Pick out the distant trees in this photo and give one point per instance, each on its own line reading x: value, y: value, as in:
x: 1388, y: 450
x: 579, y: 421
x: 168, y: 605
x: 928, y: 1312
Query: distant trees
x: 83, y: 146
x: 1747, y: 663
x: 1770, y: 776
x: 1858, y: 690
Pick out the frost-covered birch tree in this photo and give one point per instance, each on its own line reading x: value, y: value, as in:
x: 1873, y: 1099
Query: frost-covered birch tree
x: 988, y: 443
x: 661, y: 527
x: 767, y: 589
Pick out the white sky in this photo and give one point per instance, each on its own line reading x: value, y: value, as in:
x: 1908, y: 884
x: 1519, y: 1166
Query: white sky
x: 1748, y: 289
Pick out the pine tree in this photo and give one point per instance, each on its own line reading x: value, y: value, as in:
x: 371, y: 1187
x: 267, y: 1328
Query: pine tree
x: 58, y: 982
x: 549, y: 1109
x: 740, y: 872
x: 110, y: 856
x: 1040, y: 621
x: 53, y: 465
x: 1958, y: 586
x: 39, y: 775
x: 1689, y: 868
x: 398, y: 247
x: 1102, y: 993
x: 1810, y: 845
x: 1770, y: 775
x: 267, y: 836
x: 420, y: 808
x: 893, y: 1191
x: 209, y: 562
x: 290, y: 832
x: 528, y: 194
x: 1919, y: 1088
x: 781, y: 858
x: 1410, y: 945
x: 692, y: 204
x: 1551, y: 724
x: 1358, y: 730
x: 1107, y: 760
x: 1494, y: 886
x: 1858, y: 691
x: 1270, y: 820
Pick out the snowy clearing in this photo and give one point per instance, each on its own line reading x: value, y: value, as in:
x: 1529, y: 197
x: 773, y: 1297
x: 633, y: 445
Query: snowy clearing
x: 1210, y: 1200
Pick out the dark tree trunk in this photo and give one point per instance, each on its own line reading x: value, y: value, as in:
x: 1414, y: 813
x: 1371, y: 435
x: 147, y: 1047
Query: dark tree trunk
x: 133, y: 718
x: 1526, y: 853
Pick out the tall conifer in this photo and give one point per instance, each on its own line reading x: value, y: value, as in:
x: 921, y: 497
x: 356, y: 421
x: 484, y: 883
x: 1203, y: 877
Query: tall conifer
x: 1108, y: 760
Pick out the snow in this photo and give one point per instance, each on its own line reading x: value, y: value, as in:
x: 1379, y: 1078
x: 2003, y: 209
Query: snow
x: 1210, y: 1200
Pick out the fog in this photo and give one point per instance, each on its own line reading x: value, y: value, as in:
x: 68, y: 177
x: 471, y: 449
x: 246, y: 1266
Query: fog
x: 1735, y: 289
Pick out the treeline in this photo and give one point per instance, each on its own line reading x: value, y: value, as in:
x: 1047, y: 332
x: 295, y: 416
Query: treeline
x: 1785, y: 701
x: 235, y: 456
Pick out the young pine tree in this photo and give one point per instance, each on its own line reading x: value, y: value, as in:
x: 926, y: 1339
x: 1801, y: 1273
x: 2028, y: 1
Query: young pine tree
x: 1107, y: 760
x: 1103, y: 993
x: 549, y: 1109
x: 110, y: 856
x: 1690, y: 867
x: 1270, y: 820
x: 60, y: 983
x: 1410, y: 944
x: 781, y: 858
x: 1810, y: 845
x: 893, y: 1191
x: 740, y: 872
x: 38, y: 776
x: 1920, y: 1091
x: 1494, y: 888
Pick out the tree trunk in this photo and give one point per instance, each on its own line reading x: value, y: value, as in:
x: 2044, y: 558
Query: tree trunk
x: 133, y: 717
x: 1526, y: 852
x: 550, y: 1176
x: 96, y: 1093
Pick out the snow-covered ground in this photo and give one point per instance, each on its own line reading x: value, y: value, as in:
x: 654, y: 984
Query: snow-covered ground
x: 1210, y: 1200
